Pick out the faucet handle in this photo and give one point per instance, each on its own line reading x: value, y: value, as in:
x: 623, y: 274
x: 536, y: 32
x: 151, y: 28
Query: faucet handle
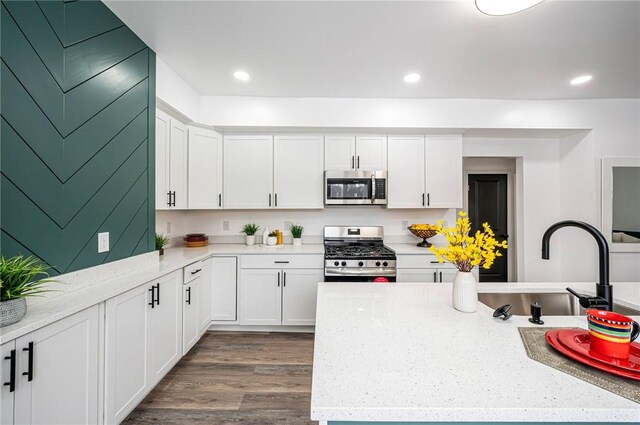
x: 587, y: 301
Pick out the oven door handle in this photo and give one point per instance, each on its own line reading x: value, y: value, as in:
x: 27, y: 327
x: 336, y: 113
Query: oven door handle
x: 378, y: 272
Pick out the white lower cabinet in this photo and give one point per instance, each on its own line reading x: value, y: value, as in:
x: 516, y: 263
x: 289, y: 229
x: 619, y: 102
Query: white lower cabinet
x: 205, y: 297
x: 435, y: 275
x: 190, y: 323
x: 143, y: 341
x: 279, y: 296
x: 224, y: 289
x: 55, y: 373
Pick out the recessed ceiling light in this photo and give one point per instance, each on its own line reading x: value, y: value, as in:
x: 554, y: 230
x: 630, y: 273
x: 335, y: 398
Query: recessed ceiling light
x: 581, y: 80
x: 241, y: 75
x: 504, y: 7
x: 412, y: 78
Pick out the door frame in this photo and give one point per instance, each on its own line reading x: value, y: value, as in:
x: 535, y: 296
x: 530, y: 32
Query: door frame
x: 512, y: 263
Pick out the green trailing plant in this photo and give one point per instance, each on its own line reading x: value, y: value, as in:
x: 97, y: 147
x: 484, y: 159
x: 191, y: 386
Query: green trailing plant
x: 22, y: 277
x: 250, y: 229
x: 296, y: 231
x: 161, y: 241
x: 273, y: 234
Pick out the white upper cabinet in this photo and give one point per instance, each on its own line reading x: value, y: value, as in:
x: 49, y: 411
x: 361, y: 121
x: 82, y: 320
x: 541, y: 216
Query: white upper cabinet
x: 297, y: 171
x: 425, y: 172
x: 171, y: 162
x: 371, y: 152
x: 444, y: 171
x: 350, y: 152
x: 339, y: 152
x: 406, y: 173
x: 205, y: 169
x: 248, y: 172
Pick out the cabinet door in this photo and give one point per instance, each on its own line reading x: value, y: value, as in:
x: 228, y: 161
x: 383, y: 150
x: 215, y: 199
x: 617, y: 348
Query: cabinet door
x: 340, y: 152
x: 178, y: 164
x: 205, y: 169
x: 446, y: 275
x: 204, y: 296
x: 443, y: 159
x: 406, y: 172
x: 190, y: 326
x: 165, y: 326
x: 371, y: 152
x: 8, y: 357
x: 127, y: 352
x: 299, y: 294
x: 163, y: 132
x: 417, y: 275
x: 63, y: 386
x: 224, y: 289
x: 298, y: 171
x: 260, y: 297
x: 248, y: 172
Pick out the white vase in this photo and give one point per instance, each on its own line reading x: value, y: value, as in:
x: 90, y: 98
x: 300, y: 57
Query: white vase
x: 465, y: 292
x: 251, y: 240
x: 297, y: 241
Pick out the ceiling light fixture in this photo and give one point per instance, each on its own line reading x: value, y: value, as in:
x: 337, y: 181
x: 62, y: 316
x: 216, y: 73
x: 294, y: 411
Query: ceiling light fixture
x: 581, y: 80
x: 504, y: 7
x: 412, y: 78
x: 241, y: 75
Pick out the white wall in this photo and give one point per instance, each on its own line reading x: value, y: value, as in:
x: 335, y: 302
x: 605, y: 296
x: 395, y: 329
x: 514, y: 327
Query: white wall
x: 561, y: 177
x: 172, y: 89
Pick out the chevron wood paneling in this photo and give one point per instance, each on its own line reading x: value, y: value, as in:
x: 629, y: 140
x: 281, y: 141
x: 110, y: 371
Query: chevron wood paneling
x: 77, y: 141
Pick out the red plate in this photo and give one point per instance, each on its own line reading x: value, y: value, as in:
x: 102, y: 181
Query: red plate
x: 552, y: 339
x: 578, y: 342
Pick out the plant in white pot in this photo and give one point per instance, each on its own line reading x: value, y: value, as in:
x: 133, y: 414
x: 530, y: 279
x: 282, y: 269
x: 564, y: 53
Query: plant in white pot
x: 272, y: 239
x: 466, y: 252
x: 296, y: 232
x: 20, y: 277
x: 250, y: 231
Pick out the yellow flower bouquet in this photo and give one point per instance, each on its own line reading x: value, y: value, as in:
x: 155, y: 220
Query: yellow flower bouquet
x: 468, y: 251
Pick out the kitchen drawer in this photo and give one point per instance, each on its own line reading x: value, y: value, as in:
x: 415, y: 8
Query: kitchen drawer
x: 295, y: 261
x: 193, y: 271
x: 420, y: 262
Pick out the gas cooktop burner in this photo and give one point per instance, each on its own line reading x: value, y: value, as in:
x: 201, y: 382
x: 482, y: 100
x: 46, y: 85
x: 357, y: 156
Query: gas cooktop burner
x: 364, y: 251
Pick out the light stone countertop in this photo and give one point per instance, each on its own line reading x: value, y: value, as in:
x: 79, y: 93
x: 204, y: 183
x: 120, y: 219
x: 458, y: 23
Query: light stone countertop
x: 400, y: 352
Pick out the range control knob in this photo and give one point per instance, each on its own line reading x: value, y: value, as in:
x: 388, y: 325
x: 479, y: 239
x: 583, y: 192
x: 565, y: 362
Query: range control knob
x: 361, y: 263
x: 336, y: 263
x: 377, y: 263
x: 344, y: 263
x: 385, y: 264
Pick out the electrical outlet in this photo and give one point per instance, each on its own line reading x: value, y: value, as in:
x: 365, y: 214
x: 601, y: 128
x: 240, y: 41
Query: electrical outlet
x: 225, y: 226
x: 405, y: 224
x: 103, y: 242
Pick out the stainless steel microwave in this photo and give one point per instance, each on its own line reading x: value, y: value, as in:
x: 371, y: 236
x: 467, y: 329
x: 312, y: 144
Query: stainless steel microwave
x: 355, y: 187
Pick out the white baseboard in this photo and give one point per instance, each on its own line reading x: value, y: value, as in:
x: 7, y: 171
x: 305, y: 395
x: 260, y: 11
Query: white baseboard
x: 241, y: 328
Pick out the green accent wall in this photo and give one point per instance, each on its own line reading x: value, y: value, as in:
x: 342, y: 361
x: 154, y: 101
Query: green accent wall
x: 77, y: 134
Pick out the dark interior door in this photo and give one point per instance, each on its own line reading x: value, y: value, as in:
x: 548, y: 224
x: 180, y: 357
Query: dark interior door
x: 488, y: 204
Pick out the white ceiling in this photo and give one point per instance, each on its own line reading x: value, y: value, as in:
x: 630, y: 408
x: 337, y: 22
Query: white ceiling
x: 363, y: 49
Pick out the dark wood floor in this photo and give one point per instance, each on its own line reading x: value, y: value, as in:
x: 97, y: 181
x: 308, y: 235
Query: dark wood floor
x: 235, y: 378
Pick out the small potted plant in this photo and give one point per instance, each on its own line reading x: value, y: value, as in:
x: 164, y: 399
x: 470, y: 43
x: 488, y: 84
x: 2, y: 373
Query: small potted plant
x: 161, y: 242
x: 272, y: 240
x: 250, y: 231
x: 296, y: 232
x: 20, y: 277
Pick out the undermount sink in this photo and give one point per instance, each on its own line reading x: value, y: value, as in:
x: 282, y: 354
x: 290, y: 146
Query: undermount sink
x: 553, y: 304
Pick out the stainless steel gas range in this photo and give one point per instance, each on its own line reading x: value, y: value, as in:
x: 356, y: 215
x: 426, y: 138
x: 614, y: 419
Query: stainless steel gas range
x: 357, y: 254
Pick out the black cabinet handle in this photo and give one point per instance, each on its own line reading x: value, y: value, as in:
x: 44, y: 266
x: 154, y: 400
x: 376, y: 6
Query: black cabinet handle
x: 189, y: 295
x: 29, y: 372
x: 219, y: 199
x: 353, y: 162
x: 435, y: 277
x: 284, y: 279
x: 428, y: 199
x: 158, y: 294
x: 269, y: 199
x: 174, y: 198
x: 196, y: 271
x: 275, y: 200
x: 169, y: 200
x: 423, y: 199
x: 358, y: 162
x: 12, y: 372
x: 153, y: 296
x: 278, y: 279
x: 440, y: 277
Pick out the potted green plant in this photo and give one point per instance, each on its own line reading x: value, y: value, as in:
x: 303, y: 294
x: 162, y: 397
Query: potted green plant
x: 296, y: 232
x: 250, y: 231
x: 161, y: 242
x: 273, y: 238
x: 20, y: 277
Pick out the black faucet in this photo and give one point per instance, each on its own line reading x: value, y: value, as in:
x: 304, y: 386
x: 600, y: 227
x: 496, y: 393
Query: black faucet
x: 604, y: 291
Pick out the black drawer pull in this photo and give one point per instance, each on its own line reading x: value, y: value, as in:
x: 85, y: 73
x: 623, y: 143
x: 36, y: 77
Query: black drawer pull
x: 196, y: 271
x: 435, y: 262
x: 12, y: 372
x: 281, y: 262
x: 29, y: 372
